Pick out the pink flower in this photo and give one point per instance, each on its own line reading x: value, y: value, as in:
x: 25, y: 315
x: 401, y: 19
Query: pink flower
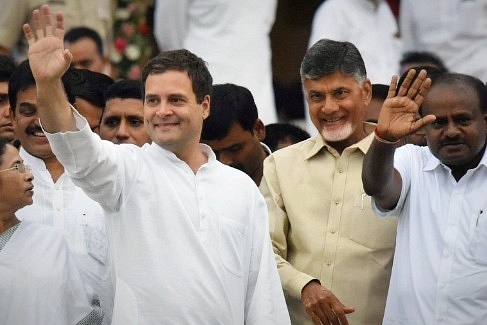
x: 133, y: 7
x: 135, y: 72
x: 120, y: 44
x: 128, y: 29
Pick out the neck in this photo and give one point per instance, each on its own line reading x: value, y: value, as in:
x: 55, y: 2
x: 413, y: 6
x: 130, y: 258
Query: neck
x: 8, y: 221
x: 54, y: 167
x: 459, y: 171
x: 194, y: 157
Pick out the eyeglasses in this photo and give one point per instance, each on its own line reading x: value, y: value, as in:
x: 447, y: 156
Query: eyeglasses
x: 20, y: 167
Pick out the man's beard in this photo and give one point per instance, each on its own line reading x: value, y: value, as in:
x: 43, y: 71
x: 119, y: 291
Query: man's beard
x: 337, y: 135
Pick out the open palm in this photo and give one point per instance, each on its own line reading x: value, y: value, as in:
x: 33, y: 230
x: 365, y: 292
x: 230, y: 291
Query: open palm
x: 399, y: 113
x: 47, y: 57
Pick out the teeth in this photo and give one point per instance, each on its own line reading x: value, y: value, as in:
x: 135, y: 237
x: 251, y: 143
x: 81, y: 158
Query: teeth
x: 38, y: 134
x: 333, y: 120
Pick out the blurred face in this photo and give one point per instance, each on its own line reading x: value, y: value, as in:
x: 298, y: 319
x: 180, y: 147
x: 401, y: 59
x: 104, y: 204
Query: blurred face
x: 242, y: 150
x: 85, y: 55
x: 15, y: 188
x: 6, y: 127
x: 90, y: 112
x: 123, y: 122
x: 173, y: 117
x: 458, y: 135
x: 27, y: 127
x: 336, y: 106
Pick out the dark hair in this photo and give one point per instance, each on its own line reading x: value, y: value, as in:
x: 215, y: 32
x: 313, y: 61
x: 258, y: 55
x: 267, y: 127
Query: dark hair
x: 380, y: 91
x: 22, y: 79
x: 3, y: 148
x: 423, y: 59
x: 7, y: 67
x: 229, y: 104
x: 126, y: 88
x: 276, y: 132
x: 326, y: 57
x: 450, y: 78
x: 77, y: 33
x: 183, y: 61
x: 89, y: 85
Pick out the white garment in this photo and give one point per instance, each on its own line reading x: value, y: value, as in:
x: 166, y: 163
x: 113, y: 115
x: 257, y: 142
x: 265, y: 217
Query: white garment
x: 187, y: 248
x: 232, y: 36
x: 373, y: 30
x: 40, y: 282
x: 455, y: 30
x: 68, y: 209
x: 439, y: 274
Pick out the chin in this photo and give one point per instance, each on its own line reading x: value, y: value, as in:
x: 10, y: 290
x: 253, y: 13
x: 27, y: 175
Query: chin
x: 337, y: 135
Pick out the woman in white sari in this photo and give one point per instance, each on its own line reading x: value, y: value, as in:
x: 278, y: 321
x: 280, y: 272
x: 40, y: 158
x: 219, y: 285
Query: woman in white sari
x: 40, y: 282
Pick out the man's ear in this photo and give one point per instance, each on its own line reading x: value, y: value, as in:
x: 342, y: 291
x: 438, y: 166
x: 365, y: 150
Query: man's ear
x: 367, y: 92
x: 259, y: 129
x: 205, y: 106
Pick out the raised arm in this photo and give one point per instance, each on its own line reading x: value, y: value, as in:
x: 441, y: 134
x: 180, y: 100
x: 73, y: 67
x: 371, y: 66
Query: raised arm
x: 49, y: 61
x: 397, y: 119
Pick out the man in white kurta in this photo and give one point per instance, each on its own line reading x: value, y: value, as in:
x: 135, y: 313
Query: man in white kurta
x: 187, y: 249
x: 232, y: 36
x: 455, y: 30
x: 189, y: 236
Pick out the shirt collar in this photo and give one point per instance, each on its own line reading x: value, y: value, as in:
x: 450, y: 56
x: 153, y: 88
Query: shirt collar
x: 434, y: 162
x: 267, y: 150
x: 319, y: 143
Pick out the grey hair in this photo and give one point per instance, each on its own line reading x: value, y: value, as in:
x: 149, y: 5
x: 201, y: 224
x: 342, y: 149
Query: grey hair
x: 327, y: 56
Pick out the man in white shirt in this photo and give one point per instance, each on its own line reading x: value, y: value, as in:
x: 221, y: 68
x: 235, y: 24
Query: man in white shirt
x: 455, y: 30
x: 58, y: 202
x: 439, y: 274
x: 232, y: 36
x: 234, y: 130
x: 189, y: 235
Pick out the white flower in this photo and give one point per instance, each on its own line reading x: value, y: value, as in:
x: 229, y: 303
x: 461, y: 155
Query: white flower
x: 122, y: 14
x: 115, y: 57
x: 132, y: 52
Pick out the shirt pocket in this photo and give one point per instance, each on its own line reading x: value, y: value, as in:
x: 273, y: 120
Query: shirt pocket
x: 478, y: 247
x: 232, y: 237
x: 369, y: 230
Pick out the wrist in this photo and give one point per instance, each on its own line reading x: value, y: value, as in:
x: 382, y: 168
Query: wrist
x: 381, y: 139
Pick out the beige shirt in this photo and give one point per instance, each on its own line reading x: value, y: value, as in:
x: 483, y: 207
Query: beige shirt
x: 96, y: 14
x: 322, y: 227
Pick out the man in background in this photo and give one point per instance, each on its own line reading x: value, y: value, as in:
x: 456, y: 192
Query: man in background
x: 234, y: 131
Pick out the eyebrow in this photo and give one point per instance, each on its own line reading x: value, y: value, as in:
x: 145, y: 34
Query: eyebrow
x: 27, y: 105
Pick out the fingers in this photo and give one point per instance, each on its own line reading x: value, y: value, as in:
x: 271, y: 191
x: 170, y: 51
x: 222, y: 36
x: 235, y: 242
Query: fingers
x: 423, y: 91
x: 38, y: 24
x: 29, y: 35
x: 48, y: 29
x: 392, y: 87
x: 419, y: 123
x: 403, y: 88
x: 43, y: 25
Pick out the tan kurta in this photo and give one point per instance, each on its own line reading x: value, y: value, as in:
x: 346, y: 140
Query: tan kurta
x: 322, y: 227
x: 96, y: 14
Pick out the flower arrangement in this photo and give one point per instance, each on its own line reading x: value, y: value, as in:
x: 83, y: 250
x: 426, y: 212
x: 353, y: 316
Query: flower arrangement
x: 132, y: 38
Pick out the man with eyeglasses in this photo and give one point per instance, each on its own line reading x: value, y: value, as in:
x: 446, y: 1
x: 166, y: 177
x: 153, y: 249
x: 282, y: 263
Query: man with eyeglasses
x: 57, y: 201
